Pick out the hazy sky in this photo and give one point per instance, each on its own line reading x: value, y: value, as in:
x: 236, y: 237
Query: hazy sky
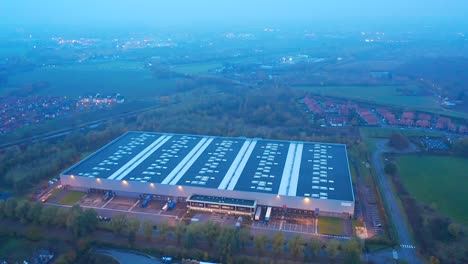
x: 196, y: 12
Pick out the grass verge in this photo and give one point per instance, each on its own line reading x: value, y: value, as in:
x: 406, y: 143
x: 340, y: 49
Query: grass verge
x: 330, y: 226
x: 71, y: 198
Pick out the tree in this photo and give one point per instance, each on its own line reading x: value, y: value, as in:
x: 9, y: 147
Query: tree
x: 461, y: 147
x: 119, y: 223
x: 352, y: 245
x: 61, y: 217
x: 260, y: 243
x: 21, y: 211
x: 228, y: 243
x: 77, y: 222
x: 455, y: 230
x: 2, y: 209
x: 191, y: 235
x: 90, y: 221
x: 314, y: 245
x: 391, y: 168
x: 296, y: 246
x: 48, y: 214
x: 278, y: 242
x: 438, y: 227
x: 244, y: 237
x: 147, y: 229
x: 35, y: 213
x: 163, y: 229
x: 332, y: 248
x: 131, y: 237
x: 352, y: 257
x: 398, y: 141
x: 10, y: 207
x: 134, y: 224
x: 212, y: 231
x: 180, y: 231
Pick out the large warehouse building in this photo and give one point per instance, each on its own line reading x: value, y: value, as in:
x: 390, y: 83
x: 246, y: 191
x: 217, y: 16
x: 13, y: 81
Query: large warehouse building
x: 220, y: 172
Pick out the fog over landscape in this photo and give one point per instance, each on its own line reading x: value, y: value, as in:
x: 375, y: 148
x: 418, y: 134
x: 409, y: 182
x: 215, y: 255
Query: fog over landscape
x: 299, y: 131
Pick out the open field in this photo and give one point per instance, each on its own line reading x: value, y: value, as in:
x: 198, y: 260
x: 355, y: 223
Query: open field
x: 384, y: 95
x: 127, y: 78
x: 376, y: 94
x: 381, y: 132
x: 196, y: 68
x: 330, y: 225
x: 439, y: 181
x: 71, y: 198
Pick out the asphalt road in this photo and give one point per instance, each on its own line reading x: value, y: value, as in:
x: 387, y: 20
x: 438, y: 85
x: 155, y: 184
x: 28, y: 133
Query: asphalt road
x: 124, y: 257
x: 408, y: 254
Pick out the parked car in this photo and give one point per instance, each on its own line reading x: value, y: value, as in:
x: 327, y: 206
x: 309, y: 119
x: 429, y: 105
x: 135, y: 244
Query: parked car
x: 45, y: 197
x: 167, y: 259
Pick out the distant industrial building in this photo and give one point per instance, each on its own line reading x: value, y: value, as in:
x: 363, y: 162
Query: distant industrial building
x: 220, y: 173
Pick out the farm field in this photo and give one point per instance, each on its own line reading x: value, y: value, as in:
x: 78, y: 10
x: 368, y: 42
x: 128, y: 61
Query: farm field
x: 439, y: 181
x: 375, y: 94
x: 197, y: 68
x: 330, y: 225
x: 127, y: 78
x: 384, y: 95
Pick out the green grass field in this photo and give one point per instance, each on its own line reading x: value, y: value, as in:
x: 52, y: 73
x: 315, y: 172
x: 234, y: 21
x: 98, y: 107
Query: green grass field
x: 127, y: 78
x: 376, y: 94
x: 55, y: 192
x: 384, y: 95
x: 438, y: 180
x: 330, y: 225
x: 196, y: 68
x: 71, y: 198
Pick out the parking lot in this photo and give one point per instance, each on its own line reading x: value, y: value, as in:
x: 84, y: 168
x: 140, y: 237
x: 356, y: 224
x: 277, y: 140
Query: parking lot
x: 305, y: 224
x: 302, y: 226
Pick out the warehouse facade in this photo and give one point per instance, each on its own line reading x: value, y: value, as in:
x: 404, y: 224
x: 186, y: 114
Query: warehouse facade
x: 288, y: 174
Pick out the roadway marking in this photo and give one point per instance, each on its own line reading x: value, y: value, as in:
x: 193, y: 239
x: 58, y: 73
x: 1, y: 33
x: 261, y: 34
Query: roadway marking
x: 134, y: 205
x: 407, y: 246
x: 109, y: 209
x: 112, y: 198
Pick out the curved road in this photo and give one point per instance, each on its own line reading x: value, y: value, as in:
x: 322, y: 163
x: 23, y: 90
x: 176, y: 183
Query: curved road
x: 406, y: 253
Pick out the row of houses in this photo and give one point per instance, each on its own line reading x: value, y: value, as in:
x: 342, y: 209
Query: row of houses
x: 339, y: 113
x: 20, y: 111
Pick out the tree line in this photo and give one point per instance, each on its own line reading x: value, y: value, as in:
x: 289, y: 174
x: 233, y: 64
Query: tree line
x: 212, y: 240
x: 226, y: 242
x: 78, y: 221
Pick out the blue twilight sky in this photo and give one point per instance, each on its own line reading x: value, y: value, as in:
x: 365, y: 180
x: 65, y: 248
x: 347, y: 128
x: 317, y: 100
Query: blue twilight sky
x: 219, y: 12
